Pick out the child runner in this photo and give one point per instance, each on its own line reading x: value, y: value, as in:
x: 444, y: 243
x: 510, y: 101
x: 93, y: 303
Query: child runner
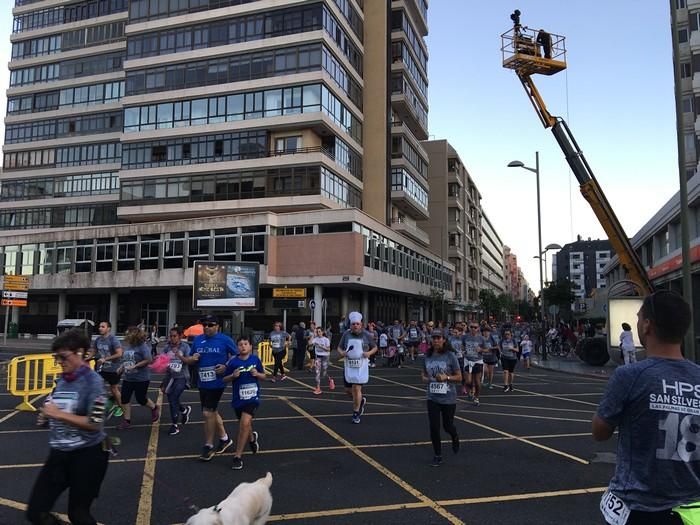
x: 474, y: 346
x: 509, y: 358
x: 136, y: 375
x: 383, y: 344
x: 322, y: 349
x: 244, y: 371
x: 490, y: 355
x: 356, y: 346
x: 441, y: 372
x: 526, y: 348
x: 176, y: 378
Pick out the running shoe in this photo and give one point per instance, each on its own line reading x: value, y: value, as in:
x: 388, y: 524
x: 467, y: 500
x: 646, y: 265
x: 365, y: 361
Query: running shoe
x: 207, y: 453
x: 317, y: 391
x: 355, y: 418
x: 118, y: 411
x: 505, y: 388
x: 237, y: 463
x: 490, y: 386
x: 510, y: 388
x: 437, y: 461
x: 476, y: 401
x: 470, y: 397
x: 223, y: 445
x: 155, y: 414
x: 362, y: 406
x: 124, y: 424
x: 253, y: 443
x: 331, y: 383
x: 186, y: 415
x: 174, y: 430
x: 464, y: 390
x: 455, y: 444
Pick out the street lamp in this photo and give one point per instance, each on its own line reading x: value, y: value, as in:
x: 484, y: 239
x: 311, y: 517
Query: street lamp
x: 552, y: 246
x: 536, y: 171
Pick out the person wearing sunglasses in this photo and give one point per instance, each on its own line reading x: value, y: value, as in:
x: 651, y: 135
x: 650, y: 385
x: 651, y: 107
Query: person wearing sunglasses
x: 654, y: 405
x: 474, y: 346
x: 75, y: 411
x: 211, y: 351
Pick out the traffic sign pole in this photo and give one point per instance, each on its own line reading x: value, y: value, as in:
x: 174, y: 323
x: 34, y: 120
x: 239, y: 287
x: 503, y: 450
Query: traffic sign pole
x: 7, y: 319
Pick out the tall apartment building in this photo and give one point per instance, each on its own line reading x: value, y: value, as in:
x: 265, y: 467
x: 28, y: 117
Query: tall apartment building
x: 454, y: 225
x: 688, y: 30
x: 142, y: 136
x: 510, y: 263
x: 492, y: 258
x: 582, y: 263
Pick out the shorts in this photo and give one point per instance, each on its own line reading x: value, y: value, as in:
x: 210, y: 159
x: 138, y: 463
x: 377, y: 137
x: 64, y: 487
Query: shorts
x: 209, y: 398
x: 112, y: 378
x: 473, y: 367
x: 509, y: 364
x: 526, y: 355
x: 350, y: 385
x: 138, y: 388
x: 247, y: 409
x: 490, y: 360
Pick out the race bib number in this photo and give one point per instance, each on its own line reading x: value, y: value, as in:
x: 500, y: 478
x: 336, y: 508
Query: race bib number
x: 129, y: 367
x: 614, y: 509
x: 354, y: 363
x: 65, y: 434
x: 207, y: 374
x: 175, y: 366
x: 248, y: 391
x: 438, y: 388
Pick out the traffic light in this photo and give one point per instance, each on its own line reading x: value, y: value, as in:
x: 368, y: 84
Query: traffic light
x: 517, y: 318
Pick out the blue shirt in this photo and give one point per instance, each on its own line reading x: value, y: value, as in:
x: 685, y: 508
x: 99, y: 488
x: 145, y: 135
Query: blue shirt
x: 212, y: 351
x: 246, y: 390
x: 655, y: 404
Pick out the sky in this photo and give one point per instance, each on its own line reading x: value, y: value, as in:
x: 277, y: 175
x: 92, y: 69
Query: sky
x: 617, y: 96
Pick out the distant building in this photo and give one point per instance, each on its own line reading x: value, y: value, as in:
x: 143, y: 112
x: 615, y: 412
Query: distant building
x: 492, y: 267
x: 510, y: 263
x: 582, y: 263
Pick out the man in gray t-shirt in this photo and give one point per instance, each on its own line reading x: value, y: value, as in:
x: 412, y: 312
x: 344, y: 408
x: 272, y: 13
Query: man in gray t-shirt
x: 655, y: 406
x: 107, y: 350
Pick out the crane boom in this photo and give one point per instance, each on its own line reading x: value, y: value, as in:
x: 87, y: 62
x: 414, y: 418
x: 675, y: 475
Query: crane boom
x: 521, y: 52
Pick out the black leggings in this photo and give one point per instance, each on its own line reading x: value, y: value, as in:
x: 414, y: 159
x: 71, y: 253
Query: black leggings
x: 435, y: 410
x: 81, y: 471
x: 279, y: 357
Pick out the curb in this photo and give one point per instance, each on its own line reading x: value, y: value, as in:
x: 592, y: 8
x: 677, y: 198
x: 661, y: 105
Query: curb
x: 591, y: 375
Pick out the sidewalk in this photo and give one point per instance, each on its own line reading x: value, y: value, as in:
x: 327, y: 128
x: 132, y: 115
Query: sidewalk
x: 575, y: 366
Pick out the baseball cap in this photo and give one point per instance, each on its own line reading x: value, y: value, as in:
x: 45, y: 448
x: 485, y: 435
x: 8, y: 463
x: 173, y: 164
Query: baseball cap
x: 437, y: 333
x: 209, y: 319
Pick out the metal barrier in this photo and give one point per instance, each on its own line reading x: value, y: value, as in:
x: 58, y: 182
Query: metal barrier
x: 31, y: 375
x: 265, y: 354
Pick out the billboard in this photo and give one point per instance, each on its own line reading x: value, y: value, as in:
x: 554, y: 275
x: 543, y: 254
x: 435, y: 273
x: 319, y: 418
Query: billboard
x: 224, y: 285
x: 623, y: 310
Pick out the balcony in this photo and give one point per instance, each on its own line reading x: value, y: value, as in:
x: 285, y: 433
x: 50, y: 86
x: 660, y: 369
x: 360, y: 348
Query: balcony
x: 691, y: 5
x: 455, y: 201
x: 407, y: 105
x: 695, y: 41
x: 410, y: 228
x: 408, y: 204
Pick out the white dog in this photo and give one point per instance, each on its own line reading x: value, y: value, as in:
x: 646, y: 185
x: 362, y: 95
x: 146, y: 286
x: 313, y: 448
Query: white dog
x: 248, y: 504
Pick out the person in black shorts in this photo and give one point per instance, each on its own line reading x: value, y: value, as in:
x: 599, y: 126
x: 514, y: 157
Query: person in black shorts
x: 107, y: 352
x: 509, y: 358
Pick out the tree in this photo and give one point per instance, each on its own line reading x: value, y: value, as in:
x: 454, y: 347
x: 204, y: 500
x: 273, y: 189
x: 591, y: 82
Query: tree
x: 560, y: 294
x: 505, y: 304
x: 488, y: 302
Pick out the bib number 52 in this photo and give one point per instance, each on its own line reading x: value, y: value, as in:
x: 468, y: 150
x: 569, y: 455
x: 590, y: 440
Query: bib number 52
x: 614, y: 510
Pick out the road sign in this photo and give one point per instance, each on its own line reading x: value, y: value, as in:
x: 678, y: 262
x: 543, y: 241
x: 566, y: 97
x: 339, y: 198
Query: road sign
x: 285, y: 304
x: 14, y: 295
x: 289, y: 293
x: 16, y: 279
x: 312, y: 304
x: 13, y: 302
x: 16, y: 287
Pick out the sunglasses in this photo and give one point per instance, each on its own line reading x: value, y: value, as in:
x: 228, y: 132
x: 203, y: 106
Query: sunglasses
x: 209, y: 325
x: 474, y: 327
x: 61, y: 358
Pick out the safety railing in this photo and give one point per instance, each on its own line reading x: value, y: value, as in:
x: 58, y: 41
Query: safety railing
x: 265, y: 354
x: 31, y: 375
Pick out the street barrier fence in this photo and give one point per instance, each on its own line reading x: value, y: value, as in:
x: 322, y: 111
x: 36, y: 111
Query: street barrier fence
x: 265, y: 354
x: 31, y: 375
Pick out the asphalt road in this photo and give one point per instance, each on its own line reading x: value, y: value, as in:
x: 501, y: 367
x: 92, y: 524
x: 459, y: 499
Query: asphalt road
x: 526, y: 457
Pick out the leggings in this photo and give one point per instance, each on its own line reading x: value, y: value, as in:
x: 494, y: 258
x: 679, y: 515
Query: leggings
x: 177, y: 387
x: 279, y: 357
x: 435, y: 410
x: 321, y: 367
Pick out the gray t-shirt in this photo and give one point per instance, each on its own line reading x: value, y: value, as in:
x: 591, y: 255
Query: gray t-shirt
x: 509, y: 349
x: 106, y: 346
x: 277, y: 340
x: 133, y: 355
x: 655, y: 404
x: 177, y: 369
x: 445, y: 363
x: 367, y: 343
x: 472, y: 344
x: 457, y: 345
x: 77, y: 397
x: 413, y: 334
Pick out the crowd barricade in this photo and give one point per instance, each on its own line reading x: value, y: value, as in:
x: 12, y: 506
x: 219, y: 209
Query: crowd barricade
x: 31, y: 375
x: 265, y: 354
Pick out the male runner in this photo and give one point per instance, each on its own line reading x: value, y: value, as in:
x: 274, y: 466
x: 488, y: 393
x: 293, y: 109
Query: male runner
x: 108, y: 351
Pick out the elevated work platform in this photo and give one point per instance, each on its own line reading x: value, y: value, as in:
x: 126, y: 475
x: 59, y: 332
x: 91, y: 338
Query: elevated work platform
x: 530, y: 51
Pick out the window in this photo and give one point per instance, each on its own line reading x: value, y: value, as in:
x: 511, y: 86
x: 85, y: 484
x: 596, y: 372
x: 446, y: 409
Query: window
x: 686, y: 70
x: 680, y: 4
x: 173, y: 250
x: 64, y: 256
x: 225, y: 244
x: 198, y: 247
x: 690, y: 144
x: 683, y: 35
x: 288, y: 144
x: 687, y: 104
x: 104, y: 255
x: 126, y: 253
x: 83, y: 255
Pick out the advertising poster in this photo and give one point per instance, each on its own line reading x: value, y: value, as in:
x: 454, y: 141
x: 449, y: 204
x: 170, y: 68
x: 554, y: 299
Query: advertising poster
x: 226, y: 285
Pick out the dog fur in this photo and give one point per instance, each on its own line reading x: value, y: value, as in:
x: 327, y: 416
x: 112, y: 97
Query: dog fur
x: 248, y: 504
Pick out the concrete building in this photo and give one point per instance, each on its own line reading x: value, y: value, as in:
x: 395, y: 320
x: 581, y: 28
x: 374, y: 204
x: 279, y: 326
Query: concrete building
x: 492, y: 258
x: 510, y: 263
x: 143, y: 136
x: 455, y: 223
x: 582, y: 263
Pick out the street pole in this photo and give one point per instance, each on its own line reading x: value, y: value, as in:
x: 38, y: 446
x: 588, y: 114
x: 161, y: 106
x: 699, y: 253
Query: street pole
x: 539, y: 240
x: 7, y: 319
x: 683, y: 190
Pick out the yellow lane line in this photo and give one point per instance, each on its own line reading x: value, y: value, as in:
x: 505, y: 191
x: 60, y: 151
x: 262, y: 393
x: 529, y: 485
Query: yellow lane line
x: 143, y: 515
x: 15, y: 412
x: 23, y: 506
x: 348, y: 511
x: 386, y: 472
x: 516, y: 497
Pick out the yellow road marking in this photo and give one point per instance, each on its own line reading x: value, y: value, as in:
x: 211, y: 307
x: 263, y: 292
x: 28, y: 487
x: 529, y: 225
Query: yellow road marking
x: 351, y: 510
x: 23, y: 506
x: 143, y: 515
x: 386, y: 472
x: 15, y: 412
x: 516, y: 497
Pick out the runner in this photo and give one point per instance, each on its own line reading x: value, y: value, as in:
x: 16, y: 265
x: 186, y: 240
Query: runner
x: 176, y: 378
x: 78, y: 457
x: 244, y: 371
x: 212, y: 350
x: 457, y: 345
x: 490, y: 355
x: 441, y: 370
x: 356, y: 346
x: 526, y: 348
x: 108, y: 351
x: 509, y: 358
x: 279, y: 340
x: 474, y: 346
x: 413, y: 338
x: 322, y: 351
x: 653, y: 406
x: 136, y: 376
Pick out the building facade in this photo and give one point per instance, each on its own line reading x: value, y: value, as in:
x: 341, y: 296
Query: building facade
x: 492, y: 258
x: 582, y: 264
x: 454, y: 226
x: 510, y: 263
x: 143, y: 136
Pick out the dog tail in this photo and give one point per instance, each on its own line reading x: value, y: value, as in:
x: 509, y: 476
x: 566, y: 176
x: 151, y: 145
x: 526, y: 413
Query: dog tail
x: 268, y: 480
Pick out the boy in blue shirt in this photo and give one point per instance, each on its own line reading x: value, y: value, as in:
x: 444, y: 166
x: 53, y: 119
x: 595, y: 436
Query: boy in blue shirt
x: 244, y: 371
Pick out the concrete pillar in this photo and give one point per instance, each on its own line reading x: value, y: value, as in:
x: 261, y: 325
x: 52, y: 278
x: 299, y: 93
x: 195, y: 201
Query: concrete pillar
x: 62, y: 303
x: 14, y: 316
x: 365, y: 305
x: 344, y: 302
x: 172, y: 307
x: 317, y: 313
x: 114, y: 309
